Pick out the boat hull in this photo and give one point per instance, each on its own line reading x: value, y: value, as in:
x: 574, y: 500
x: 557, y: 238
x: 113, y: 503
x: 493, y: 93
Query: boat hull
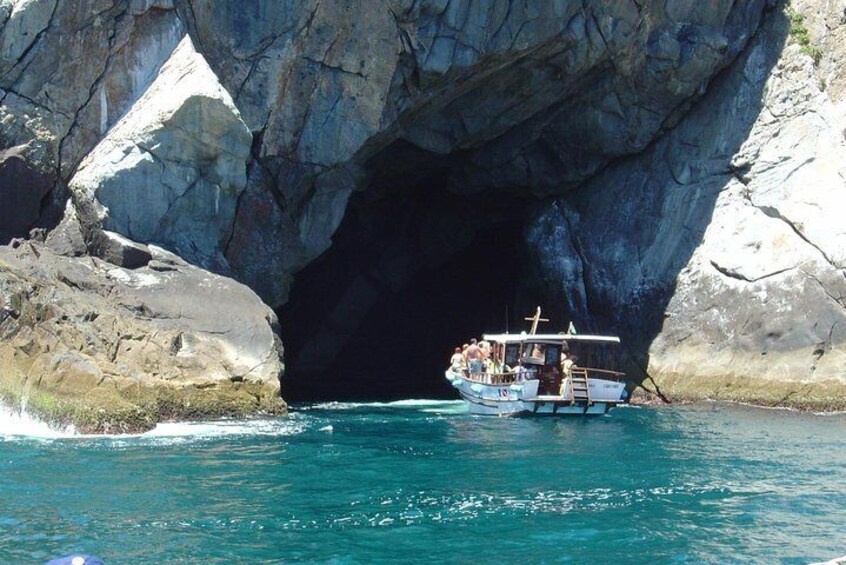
x: 521, y: 399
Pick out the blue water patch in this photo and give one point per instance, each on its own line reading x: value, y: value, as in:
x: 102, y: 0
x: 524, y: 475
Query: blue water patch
x: 422, y: 481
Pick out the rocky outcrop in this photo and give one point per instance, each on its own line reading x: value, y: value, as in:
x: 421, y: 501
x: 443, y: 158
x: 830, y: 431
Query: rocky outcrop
x: 110, y: 349
x: 515, y: 90
x: 720, y: 249
x: 68, y: 72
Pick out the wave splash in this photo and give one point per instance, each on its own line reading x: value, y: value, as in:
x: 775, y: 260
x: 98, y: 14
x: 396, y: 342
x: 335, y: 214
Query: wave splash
x: 420, y: 404
x: 17, y: 422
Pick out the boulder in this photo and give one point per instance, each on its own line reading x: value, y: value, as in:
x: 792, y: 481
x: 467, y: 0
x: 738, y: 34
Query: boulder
x: 120, y: 251
x: 172, y: 170
x: 110, y: 349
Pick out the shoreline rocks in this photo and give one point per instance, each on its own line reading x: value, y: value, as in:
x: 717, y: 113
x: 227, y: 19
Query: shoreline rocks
x: 110, y: 349
x: 827, y: 396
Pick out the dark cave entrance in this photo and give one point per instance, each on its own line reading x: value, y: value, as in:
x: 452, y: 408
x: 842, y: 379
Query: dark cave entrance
x: 414, y: 271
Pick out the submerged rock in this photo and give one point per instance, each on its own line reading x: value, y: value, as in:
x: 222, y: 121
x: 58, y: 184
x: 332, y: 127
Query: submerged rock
x: 110, y: 349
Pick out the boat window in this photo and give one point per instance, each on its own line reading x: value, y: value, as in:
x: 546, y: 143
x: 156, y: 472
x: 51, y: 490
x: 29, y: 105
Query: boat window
x: 605, y: 356
x: 512, y: 353
x: 552, y: 355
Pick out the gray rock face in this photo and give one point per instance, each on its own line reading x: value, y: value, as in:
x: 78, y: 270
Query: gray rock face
x: 172, y: 170
x: 721, y: 247
x: 537, y: 97
x: 70, y: 70
x: 516, y: 89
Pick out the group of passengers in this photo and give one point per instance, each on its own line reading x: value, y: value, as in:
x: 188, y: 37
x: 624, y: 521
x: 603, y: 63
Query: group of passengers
x: 480, y: 357
x: 475, y: 357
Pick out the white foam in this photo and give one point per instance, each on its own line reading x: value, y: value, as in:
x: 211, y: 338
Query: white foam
x: 222, y: 428
x: 414, y: 403
x: 17, y: 422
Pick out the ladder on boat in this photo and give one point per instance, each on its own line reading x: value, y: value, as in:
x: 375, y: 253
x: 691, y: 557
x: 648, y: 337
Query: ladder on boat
x: 579, y: 381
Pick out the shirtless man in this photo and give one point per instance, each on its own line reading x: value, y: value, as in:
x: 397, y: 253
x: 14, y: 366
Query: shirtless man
x: 474, y: 356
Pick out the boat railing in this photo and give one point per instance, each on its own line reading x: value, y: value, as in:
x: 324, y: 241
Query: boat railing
x: 520, y: 376
x: 496, y: 378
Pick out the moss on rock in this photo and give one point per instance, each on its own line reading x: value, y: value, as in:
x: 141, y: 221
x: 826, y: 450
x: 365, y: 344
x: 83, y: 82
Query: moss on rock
x: 813, y: 396
x: 138, y: 408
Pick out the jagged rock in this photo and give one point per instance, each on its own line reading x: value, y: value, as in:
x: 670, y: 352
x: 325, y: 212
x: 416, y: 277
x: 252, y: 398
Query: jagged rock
x: 112, y: 349
x: 120, y: 251
x: 724, y: 224
x: 67, y: 238
x: 172, y: 170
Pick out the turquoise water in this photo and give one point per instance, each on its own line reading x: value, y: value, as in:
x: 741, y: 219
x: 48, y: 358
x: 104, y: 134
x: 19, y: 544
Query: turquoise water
x: 422, y: 482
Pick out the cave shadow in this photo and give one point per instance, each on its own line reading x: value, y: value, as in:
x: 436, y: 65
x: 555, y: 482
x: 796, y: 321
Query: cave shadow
x: 413, y: 272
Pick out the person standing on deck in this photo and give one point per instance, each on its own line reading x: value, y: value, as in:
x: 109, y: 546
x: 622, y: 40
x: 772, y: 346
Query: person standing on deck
x: 566, y: 363
x: 566, y: 366
x: 474, y: 356
x: 456, y: 362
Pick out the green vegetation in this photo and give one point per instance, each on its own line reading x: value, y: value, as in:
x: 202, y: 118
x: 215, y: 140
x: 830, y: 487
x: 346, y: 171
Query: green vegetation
x: 800, y: 34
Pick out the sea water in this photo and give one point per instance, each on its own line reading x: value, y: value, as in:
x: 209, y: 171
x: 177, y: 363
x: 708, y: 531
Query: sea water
x: 424, y: 482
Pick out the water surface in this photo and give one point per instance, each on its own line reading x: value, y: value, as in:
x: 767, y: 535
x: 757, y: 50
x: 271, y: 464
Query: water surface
x: 421, y: 481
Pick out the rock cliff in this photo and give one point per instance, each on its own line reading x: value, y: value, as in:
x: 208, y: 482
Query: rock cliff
x: 719, y: 248
x: 677, y: 164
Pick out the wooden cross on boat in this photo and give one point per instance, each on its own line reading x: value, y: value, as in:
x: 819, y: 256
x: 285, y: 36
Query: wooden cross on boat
x: 535, y: 319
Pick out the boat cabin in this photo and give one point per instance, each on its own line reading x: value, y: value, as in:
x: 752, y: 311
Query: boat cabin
x: 522, y: 357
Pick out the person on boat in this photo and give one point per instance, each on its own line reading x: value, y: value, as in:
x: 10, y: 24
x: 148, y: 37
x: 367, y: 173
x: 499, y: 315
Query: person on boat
x: 474, y: 357
x: 493, y: 365
x: 456, y: 362
x: 537, y: 351
x: 566, y: 363
x: 485, y: 346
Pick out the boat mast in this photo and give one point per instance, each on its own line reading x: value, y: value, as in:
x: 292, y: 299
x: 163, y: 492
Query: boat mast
x: 535, y: 319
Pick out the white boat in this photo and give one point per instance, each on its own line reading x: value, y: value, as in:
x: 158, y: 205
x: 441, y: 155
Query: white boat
x: 534, y: 381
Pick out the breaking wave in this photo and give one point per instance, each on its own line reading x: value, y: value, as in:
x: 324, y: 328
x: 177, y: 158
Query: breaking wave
x: 17, y: 422
x: 419, y: 404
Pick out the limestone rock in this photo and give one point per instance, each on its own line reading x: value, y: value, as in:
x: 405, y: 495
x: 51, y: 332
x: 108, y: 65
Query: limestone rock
x: 172, y: 170
x: 112, y: 349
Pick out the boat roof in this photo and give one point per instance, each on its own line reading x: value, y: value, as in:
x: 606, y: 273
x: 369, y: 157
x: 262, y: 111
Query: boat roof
x: 553, y: 338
